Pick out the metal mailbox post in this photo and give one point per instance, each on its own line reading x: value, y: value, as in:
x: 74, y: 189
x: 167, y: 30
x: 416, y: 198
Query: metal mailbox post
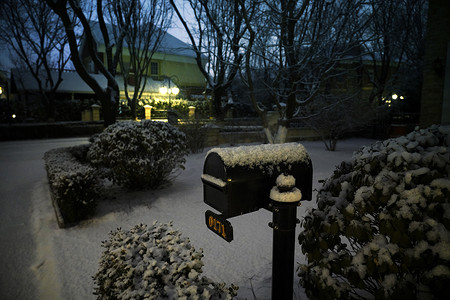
x: 239, y: 180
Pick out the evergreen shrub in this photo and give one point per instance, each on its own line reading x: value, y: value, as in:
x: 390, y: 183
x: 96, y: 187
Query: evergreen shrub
x: 139, y: 154
x: 154, y: 262
x: 382, y: 222
x: 74, y: 184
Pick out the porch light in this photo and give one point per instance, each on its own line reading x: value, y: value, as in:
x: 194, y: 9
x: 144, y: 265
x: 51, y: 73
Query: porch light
x: 174, y: 91
x: 163, y: 90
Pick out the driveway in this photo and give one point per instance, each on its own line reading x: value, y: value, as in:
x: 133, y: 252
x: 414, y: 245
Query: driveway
x: 21, y: 171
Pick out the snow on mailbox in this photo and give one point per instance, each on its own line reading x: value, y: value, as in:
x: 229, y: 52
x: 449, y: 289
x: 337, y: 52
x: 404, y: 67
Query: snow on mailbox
x: 238, y: 180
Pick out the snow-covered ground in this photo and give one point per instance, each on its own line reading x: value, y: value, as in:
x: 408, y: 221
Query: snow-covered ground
x: 65, y: 260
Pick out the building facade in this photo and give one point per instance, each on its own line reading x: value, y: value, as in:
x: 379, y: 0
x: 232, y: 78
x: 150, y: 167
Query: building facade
x: 173, y: 64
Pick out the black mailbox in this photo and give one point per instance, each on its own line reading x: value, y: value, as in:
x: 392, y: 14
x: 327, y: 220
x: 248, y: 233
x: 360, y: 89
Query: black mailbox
x: 238, y: 180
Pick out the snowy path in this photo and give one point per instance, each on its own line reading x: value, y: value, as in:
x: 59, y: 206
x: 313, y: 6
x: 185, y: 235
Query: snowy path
x: 64, y: 261
x: 21, y: 173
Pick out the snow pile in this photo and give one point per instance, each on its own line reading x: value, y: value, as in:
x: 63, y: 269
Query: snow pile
x: 261, y: 156
x: 382, y: 223
x: 73, y: 182
x: 153, y: 263
x: 139, y: 154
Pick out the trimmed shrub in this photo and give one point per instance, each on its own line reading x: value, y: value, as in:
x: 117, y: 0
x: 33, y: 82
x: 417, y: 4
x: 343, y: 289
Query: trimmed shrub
x: 381, y: 229
x: 153, y: 263
x: 74, y: 184
x: 139, y: 154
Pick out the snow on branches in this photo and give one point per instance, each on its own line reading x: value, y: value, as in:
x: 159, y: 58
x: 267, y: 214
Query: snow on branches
x: 154, y: 262
x: 139, y: 154
x: 382, y: 223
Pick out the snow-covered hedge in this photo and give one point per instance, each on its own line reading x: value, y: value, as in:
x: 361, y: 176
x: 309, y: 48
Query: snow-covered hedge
x: 382, y: 226
x: 154, y: 263
x: 139, y: 154
x: 73, y: 182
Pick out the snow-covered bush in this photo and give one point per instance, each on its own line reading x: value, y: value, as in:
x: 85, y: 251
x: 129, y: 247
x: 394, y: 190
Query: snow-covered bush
x: 154, y: 263
x: 382, y: 224
x: 73, y: 182
x: 139, y: 154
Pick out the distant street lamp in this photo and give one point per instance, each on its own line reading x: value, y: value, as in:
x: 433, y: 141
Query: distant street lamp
x: 163, y: 90
x: 170, y: 91
x: 391, y: 100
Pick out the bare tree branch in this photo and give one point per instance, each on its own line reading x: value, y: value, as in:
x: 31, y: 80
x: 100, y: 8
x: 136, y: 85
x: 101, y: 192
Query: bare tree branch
x: 35, y: 35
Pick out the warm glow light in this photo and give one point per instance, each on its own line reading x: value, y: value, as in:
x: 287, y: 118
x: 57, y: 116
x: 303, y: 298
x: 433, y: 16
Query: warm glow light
x: 175, y: 90
x: 401, y: 97
x: 1, y: 90
x: 13, y: 116
x: 163, y: 90
x: 394, y: 96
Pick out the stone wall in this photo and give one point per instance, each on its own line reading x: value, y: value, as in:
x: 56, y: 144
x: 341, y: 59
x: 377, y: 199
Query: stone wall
x: 216, y: 136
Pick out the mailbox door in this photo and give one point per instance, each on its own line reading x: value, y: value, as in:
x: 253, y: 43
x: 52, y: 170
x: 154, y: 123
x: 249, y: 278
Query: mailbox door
x: 246, y: 193
x: 215, y: 197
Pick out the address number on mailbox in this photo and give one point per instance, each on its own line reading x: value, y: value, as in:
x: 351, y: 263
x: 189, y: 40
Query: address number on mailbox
x: 219, y: 225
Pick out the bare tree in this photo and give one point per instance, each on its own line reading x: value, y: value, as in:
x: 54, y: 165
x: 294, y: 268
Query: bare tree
x: 66, y: 10
x: 147, y: 26
x: 398, y: 29
x: 332, y: 116
x: 218, y: 34
x: 303, y: 44
x: 35, y: 36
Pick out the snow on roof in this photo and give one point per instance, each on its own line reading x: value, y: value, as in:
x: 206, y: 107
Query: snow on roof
x: 253, y: 156
x: 73, y: 83
x: 6, y: 62
x: 169, y: 44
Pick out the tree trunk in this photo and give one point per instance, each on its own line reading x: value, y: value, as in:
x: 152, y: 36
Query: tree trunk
x: 109, y: 105
x: 279, y: 138
x: 217, y: 103
x: 281, y: 135
x: 133, y: 108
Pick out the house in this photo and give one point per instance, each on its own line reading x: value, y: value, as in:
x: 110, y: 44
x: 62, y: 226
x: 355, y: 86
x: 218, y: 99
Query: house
x: 173, y: 64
